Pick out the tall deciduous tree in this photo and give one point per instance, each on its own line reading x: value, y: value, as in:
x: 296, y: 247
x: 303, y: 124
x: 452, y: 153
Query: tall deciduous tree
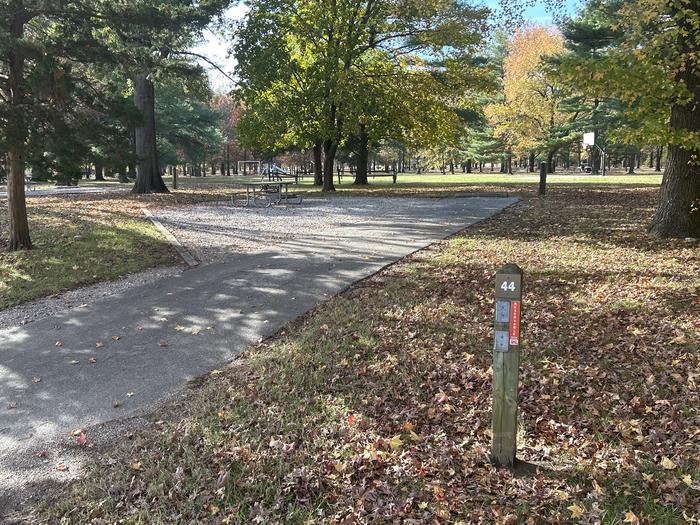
x: 651, y: 64
x: 300, y: 62
x: 530, y: 116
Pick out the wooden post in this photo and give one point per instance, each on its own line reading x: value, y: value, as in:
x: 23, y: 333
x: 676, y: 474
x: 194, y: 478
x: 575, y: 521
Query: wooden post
x: 543, y: 178
x: 506, y: 363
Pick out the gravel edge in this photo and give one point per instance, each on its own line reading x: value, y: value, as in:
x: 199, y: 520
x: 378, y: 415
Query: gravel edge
x: 22, y: 314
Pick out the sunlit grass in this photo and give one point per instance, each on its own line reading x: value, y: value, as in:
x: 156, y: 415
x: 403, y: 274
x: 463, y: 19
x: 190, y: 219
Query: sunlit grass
x: 76, y: 245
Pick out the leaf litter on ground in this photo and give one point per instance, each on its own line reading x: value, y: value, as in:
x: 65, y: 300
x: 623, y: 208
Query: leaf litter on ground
x: 378, y: 403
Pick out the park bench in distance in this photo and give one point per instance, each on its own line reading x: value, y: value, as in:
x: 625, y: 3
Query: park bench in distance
x: 280, y: 177
x: 29, y: 184
x: 373, y: 173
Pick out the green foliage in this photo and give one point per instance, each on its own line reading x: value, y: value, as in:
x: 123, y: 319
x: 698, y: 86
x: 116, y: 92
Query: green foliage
x: 312, y: 70
x: 188, y: 127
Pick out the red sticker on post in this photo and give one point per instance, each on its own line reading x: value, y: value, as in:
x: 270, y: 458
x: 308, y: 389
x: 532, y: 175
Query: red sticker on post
x: 514, y: 332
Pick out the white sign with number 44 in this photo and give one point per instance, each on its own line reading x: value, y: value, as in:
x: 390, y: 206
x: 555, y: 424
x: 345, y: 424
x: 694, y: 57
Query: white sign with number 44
x: 505, y: 286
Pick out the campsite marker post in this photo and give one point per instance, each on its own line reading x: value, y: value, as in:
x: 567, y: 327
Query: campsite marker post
x: 543, y: 178
x: 506, y: 363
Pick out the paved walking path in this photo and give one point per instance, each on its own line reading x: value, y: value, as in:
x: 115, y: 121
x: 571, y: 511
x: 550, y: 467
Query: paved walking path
x: 139, y: 347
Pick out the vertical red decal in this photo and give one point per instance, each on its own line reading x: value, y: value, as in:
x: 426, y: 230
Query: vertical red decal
x: 514, y: 334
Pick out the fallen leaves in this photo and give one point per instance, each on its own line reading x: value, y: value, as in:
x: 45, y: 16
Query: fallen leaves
x: 395, y: 442
x: 576, y: 510
x: 667, y: 464
x: 377, y: 406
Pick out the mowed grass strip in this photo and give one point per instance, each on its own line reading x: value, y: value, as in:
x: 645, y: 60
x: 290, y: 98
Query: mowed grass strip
x: 375, y: 408
x: 436, y: 184
x: 80, y: 240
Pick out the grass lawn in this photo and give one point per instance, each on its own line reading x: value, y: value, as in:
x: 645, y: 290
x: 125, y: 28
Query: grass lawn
x: 375, y: 408
x: 435, y: 182
x: 81, y: 240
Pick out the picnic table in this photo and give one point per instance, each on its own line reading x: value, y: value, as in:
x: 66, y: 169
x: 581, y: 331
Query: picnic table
x: 278, y: 176
x: 29, y: 184
x: 269, y: 192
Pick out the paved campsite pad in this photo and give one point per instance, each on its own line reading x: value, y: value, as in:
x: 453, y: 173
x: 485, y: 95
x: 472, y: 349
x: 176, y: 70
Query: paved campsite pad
x: 215, y: 233
x: 140, y: 346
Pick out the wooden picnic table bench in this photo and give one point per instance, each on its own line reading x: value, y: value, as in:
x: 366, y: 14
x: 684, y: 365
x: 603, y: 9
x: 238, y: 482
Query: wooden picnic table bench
x: 29, y: 184
x: 374, y: 173
x: 280, y: 177
x: 270, y: 192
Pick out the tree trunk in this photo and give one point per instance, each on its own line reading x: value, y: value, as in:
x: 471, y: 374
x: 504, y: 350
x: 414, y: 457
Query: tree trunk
x: 550, y: 161
x: 17, y: 204
x: 99, y: 171
x: 16, y: 136
x: 329, y: 149
x: 678, y: 211
x: 122, y: 174
x: 531, y: 162
x: 318, y: 164
x: 630, y: 164
x: 148, y: 177
x: 595, y: 158
x: 659, y: 153
x: 362, y: 157
x: 469, y: 165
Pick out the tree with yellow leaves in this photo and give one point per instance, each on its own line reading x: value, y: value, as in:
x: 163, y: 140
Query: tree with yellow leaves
x: 529, y: 118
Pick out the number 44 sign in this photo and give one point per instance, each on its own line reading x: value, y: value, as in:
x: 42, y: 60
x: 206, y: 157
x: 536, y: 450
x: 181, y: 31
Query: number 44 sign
x: 507, y: 286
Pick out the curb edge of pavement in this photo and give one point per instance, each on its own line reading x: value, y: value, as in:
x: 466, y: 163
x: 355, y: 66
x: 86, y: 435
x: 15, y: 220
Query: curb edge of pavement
x: 181, y: 250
